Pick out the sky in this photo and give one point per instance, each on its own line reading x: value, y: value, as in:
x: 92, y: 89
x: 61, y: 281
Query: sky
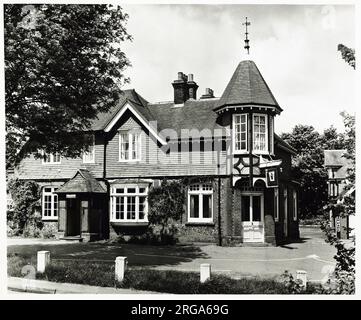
x: 294, y: 47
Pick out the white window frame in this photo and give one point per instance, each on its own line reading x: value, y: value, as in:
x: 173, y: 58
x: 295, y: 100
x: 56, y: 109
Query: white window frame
x: 271, y: 137
x: 234, y: 144
x: 51, y: 157
x: 125, y: 195
x: 202, y: 190
x: 276, y: 204
x: 89, y: 156
x: 131, y: 134
x: 266, y: 151
x: 295, y: 205
x: 53, y: 199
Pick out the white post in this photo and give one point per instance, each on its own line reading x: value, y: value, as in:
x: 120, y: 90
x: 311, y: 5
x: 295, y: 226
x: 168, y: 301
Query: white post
x: 120, y: 267
x: 205, y: 272
x: 43, y: 260
x: 302, y: 275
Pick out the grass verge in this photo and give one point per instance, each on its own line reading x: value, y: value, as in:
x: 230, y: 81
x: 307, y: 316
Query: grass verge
x: 177, y: 282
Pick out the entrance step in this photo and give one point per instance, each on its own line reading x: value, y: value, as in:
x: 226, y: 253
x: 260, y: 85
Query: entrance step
x: 72, y: 238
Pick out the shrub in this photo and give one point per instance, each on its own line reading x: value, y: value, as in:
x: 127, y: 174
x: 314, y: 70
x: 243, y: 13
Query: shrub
x: 49, y: 231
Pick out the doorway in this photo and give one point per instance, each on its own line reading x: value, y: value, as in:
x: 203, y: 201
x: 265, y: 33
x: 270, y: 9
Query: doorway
x: 252, y: 211
x: 72, y: 217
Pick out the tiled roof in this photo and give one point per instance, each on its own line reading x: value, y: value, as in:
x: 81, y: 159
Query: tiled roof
x: 247, y: 86
x: 194, y: 114
x: 82, y: 182
x: 335, y: 158
x: 131, y: 96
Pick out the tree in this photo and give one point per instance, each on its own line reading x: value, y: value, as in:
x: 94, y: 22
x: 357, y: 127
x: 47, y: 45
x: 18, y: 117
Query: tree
x: 348, y: 55
x: 307, y: 168
x: 63, y: 65
x: 308, y: 164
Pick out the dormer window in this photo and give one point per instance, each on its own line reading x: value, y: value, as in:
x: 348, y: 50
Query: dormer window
x: 51, y: 158
x: 240, y: 133
x: 260, y: 136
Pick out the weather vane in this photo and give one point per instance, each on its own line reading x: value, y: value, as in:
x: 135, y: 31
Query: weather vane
x: 246, y: 41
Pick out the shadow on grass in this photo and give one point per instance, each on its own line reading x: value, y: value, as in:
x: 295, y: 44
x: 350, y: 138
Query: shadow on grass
x: 138, y: 255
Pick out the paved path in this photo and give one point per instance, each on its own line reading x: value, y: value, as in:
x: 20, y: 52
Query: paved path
x: 17, y: 285
x: 312, y: 254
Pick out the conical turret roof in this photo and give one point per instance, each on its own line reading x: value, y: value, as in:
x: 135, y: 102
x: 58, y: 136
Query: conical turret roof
x: 247, y: 87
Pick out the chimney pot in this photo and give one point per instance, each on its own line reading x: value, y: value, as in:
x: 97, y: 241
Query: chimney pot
x: 208, y: 94
x: 180, y: 76
x: 190, y: 77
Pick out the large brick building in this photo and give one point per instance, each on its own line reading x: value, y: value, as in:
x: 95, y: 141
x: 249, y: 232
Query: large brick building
x: 236, y: 169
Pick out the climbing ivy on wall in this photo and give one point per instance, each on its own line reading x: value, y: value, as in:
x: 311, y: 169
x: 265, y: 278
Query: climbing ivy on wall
x: 26, y: 197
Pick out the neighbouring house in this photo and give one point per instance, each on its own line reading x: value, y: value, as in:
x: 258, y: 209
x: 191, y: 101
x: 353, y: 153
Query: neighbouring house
x: 337, y: 167
x: 236, y: 170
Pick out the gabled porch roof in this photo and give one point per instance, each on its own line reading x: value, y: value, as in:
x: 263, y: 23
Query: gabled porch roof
x: 82, y: 182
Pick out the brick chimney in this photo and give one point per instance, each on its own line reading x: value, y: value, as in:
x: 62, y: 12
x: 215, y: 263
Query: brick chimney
x: 209, y: 94
x: 184, y: 88
x: 180, y: 86
x: 192, y: 87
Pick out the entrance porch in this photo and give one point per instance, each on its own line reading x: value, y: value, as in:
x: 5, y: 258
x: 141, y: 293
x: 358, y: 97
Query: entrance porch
x: 83, y: 213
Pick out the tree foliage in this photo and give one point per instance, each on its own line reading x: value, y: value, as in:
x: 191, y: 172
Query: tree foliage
x: 166, y: 206
x: 348, y: 55
x: 63, y: 65
x: 308, y: 165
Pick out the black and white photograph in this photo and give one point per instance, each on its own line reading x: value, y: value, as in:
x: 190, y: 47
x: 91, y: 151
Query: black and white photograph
x: 168, y: 149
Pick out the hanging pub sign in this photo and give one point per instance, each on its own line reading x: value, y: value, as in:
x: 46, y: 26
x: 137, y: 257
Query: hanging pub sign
x: 271, y: 177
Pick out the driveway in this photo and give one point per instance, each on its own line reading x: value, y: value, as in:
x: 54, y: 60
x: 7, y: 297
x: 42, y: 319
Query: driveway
x: 312, y: 254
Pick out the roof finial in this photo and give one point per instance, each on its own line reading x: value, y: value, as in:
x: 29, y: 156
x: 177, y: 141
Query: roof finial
x: 246, y: 41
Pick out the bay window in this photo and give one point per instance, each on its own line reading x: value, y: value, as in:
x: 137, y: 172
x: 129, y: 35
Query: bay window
x: 260, y: 136
x: 200, y: 203
x: 49, y: 204
x: 129, y: 145
x: 128, y: 203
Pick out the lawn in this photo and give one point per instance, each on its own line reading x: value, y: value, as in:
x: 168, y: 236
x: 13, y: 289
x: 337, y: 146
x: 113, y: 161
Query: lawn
x: 142, y: 278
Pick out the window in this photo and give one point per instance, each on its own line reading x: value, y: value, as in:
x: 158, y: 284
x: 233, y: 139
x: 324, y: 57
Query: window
x: 333, y: 189
x: 51, y: 158
x: 129, y: 146
x: 239, y: 133
x: 200, y: 203
x: 295, y: 205
x: 331, y: 172
x: 49, y: 204
x: 89, y: 156
x: 260, y: 135
x: 129, y: 203
x: 276, y: 204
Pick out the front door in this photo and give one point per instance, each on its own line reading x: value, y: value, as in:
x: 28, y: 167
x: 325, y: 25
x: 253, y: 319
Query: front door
x: 252, y: 217
x: 73, y: 217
